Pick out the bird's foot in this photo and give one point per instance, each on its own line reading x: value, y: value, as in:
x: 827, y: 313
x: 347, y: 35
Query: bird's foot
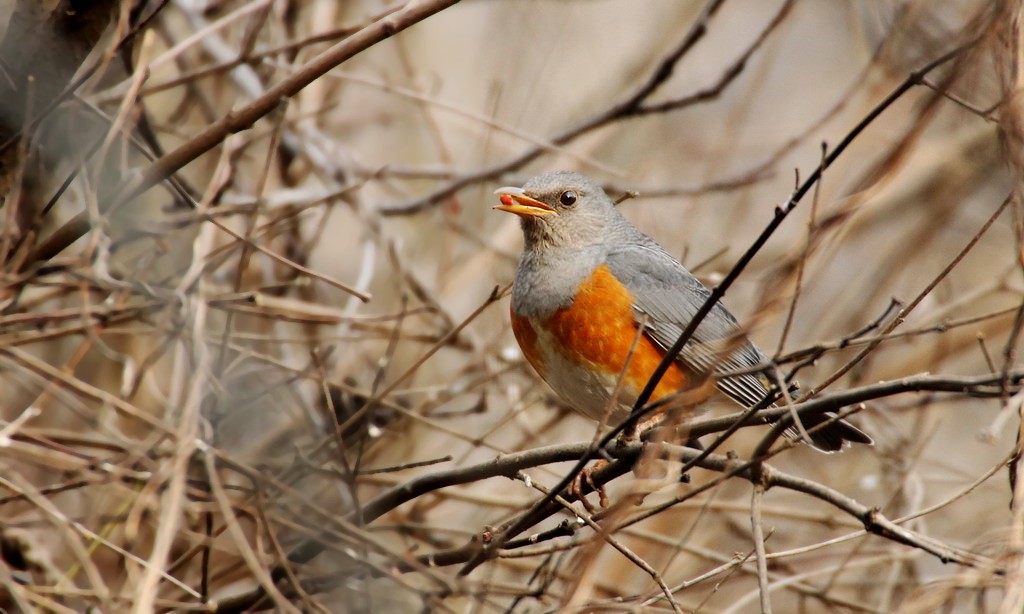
x: 636, y: 431
x: 586, y: 477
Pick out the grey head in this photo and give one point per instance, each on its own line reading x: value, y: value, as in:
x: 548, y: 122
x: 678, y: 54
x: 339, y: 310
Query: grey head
x: 564, y: 210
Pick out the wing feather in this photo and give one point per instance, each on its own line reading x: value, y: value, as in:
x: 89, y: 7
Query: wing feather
x: 667, y: 296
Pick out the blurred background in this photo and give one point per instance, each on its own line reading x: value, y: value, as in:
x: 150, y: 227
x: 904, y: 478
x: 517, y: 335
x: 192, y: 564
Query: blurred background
x: 199, y: 407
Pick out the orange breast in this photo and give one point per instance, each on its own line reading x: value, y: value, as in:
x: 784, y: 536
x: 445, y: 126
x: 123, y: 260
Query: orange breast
x: 527, y: 338
x: 598, y: 330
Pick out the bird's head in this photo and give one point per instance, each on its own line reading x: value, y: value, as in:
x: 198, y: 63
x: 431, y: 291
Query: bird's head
x: 562, y: 209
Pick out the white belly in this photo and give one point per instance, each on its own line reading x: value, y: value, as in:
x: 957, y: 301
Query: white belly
x: 581, y: 387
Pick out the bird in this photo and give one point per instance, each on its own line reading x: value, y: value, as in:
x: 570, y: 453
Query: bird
x: 596, y: 304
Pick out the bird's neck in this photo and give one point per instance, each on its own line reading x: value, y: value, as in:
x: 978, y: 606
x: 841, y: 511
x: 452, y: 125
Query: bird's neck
x: 547, y: 280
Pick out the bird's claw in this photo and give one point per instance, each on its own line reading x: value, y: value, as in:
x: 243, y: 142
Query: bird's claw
x: 587, y: 476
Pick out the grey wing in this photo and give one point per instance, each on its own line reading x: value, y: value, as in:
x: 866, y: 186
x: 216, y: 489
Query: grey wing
x: 669, y: 296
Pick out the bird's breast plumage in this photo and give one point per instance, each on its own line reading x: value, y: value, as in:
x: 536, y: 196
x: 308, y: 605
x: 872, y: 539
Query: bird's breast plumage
x: 581, y: 349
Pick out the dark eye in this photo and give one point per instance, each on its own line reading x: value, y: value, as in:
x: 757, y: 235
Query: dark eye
x: 567, y: 198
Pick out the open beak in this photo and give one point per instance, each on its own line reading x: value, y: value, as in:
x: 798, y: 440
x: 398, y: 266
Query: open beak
x: 515, y: 200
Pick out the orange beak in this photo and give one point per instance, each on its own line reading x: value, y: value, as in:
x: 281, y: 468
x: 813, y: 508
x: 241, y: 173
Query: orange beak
x: 515, y: 200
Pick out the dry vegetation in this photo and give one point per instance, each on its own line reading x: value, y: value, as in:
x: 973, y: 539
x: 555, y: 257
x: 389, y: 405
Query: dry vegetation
x: 254, y: 343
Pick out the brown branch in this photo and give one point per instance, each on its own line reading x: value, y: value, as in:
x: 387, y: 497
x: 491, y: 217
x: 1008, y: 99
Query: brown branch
x: 625, y: 455
x: 871, y: 519
x: 40, y: 52
x: 982, y: 386
x: 903, y: 312
x: 244, y: 118
x: 625, y: 108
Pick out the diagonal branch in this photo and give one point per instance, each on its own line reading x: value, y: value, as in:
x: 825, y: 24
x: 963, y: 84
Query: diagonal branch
x: 244, y: 118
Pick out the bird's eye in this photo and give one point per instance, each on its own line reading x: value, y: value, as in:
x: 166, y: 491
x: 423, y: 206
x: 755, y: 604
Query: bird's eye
x: 567, y: 198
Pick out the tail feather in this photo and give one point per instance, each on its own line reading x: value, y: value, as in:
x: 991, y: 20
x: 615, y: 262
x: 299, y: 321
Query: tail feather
x: 749, y: 389
x: 831, y: 437
x: 828, y: 432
